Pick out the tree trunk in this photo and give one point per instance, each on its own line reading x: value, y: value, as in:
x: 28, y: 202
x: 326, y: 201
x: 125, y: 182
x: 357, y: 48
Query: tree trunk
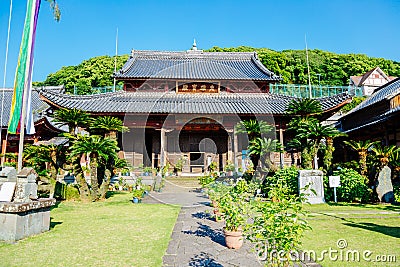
x: 363, y: 162
x: 104, y: 186
x: 84, y: 190
x: 93, y: 177
x: 53, y: 164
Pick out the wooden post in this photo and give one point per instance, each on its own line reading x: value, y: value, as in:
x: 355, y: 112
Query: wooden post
x: 281, y: 156
x: 162, y: 148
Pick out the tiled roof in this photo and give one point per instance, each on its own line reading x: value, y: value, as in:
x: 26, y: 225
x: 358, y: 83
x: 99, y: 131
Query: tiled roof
x: 38, y: 106
x: 363, y: 115
x: 170, y: 102
x: 382, y: 93
x: 192, y: 65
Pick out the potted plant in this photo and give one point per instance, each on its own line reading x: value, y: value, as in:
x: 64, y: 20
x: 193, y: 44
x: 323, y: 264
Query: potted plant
x: 234, y: 206
x: 234, y: 221
x: 179, y: 165
x: 147, y: 171
x: 229, y: 167
x: 137, y: 195
x: 216, y: 191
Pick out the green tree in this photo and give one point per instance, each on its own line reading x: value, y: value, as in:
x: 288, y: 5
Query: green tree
x: 38, y: 156
x: 94, y: 72
x: 100, y: 150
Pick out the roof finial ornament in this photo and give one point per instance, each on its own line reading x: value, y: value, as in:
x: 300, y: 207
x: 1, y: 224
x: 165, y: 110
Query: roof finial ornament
x: 194, y: 47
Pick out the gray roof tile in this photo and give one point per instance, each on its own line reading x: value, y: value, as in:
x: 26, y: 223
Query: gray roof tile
x: 193, y: 65
x: 38, y: 106
x: 170, y: 102
x: 382, y: 93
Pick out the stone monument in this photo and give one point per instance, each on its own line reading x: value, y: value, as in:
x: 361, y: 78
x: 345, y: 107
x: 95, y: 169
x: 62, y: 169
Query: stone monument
x: 312, y: 186
x: 24, y: 214
x: 384, y: 187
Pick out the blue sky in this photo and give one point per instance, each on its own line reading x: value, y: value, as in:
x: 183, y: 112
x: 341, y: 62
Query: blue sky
x: 88, y: 28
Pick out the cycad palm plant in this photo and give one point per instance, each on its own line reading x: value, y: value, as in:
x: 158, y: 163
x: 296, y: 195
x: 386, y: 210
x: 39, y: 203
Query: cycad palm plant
x: 99, y: 150
x: 262, y: 147
x: 109, y: 126
x: 313, y: 132
x: 71, y: 117
x: 254, y: 129
x: 304, y: 107
x: 384, y: 153
x: 362, y: 148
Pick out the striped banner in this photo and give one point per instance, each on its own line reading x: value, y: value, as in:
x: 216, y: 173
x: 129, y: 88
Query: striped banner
x: 23, y: 74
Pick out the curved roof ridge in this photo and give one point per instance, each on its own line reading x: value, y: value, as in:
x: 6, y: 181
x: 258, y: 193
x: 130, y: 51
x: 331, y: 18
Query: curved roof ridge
x: 191, y: 54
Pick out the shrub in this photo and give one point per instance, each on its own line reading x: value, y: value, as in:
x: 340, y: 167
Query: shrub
x: 205, y: 180
x: 278, y: 226
x: 288, y: 175
x: 353, y: 187
x: 396, y: 191
x: 72, y: 192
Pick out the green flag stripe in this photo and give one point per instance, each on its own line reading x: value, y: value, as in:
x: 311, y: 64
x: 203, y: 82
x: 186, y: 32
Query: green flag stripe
x: 20, y: 75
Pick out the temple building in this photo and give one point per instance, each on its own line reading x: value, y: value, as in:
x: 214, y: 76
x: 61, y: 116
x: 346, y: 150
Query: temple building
x: 185, y: 105
x: 376, y: 118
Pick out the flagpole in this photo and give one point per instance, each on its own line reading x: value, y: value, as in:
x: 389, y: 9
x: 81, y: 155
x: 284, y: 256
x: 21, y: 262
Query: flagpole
x: 115, y: 61
x: 3, y: 151
x: 308, y: 68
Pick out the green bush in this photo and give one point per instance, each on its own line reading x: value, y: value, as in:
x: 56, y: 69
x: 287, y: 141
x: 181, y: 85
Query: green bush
x: 289, y: 176
x: 205, y: 180
x: 72, y: 192
x: 278, y: 225
x: 396, y: 191
x: 353, y: 187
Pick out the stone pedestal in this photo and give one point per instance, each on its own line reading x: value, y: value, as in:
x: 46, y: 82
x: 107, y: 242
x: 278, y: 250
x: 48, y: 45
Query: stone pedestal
x: 20, y: 220
x: 309, y: 181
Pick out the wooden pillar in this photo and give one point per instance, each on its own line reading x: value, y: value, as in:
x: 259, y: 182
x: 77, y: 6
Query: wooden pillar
x: 235, y: 150
x: 162, y: 147
x: 281, y: 153
x: 230, y: 146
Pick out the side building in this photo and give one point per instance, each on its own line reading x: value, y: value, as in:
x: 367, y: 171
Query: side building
x: 377, y: 118
x: 185, y: 105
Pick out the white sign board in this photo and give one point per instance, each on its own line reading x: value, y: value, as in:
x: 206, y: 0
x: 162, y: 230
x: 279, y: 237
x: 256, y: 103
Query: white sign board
x: 7, y: 191
x: 334, y: 181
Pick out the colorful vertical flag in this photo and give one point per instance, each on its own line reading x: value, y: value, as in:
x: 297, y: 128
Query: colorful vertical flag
x: 23, y: 74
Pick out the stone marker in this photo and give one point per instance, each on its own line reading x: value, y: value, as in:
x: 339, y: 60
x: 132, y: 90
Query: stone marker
x: 7, y: 191
x: 313, y: 178
x: 8, y: 174
x: 384, y: 187
x: 26, y: 188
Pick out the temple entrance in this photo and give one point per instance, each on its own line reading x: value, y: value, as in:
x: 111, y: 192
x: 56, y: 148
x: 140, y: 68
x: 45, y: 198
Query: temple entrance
x: 202, y: 147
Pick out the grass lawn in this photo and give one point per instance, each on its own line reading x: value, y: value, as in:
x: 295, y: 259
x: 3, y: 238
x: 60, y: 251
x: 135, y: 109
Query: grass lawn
x: 114, y: 232
x: 364, y: 227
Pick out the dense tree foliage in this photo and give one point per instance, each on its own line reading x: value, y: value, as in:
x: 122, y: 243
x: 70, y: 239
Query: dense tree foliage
x: 325, y: 67
x: 94, y: 72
